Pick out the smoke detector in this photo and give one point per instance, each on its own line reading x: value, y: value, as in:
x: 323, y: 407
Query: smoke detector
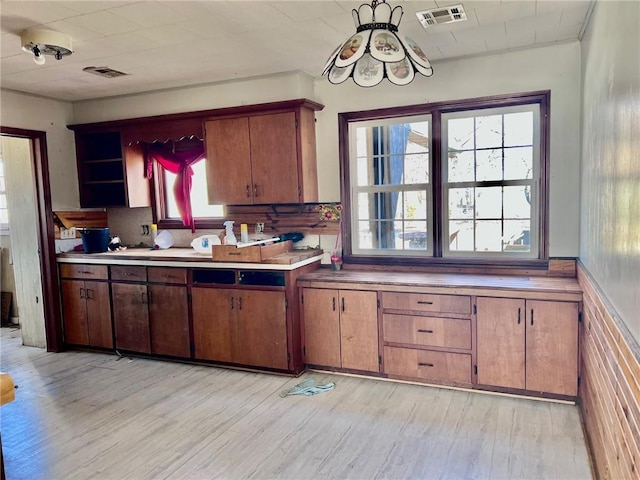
x: 45, y: 42
x: 437, y: 16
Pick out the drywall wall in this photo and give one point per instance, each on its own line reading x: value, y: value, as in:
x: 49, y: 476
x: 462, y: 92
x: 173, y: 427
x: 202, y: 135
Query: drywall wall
x: 51, y: 116
x: 555, y: 68
x: 610, y: 204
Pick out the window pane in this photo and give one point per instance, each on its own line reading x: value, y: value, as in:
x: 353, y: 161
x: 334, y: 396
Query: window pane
x: 461, y: 235
x: 416, y: 168
x: 518, y: 129
x: 365, y: 237
x: 517, y: 202
x: 489, y: 236
x: 414, y: 236
x: 363, y: 165
x: 418, y: 138
x: 489, y: 202
x: 517, y: 236
x: 2, y: 185
x: 461, y: 134
x: 461, y: 167
x: 460, y: 203
x: 4, y: 216
x: 518, y: 163
x: 489, y: 131
x: 488, y: 165
x: 3, y: 201
x: 199, y: 197
x: 415, y: 205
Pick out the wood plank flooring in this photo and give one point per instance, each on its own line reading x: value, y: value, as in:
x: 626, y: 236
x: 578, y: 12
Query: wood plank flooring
x: 91, y: 416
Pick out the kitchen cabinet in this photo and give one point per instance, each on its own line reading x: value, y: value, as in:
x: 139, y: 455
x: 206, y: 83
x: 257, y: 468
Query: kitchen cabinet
x: 150, y: 314
x: 110, y: 174
x: 528, y: 344
x: 241, y: 326
x: 86, y: 305
x: 265, y: 158
x: 341, y: 329
x: 427, y: 337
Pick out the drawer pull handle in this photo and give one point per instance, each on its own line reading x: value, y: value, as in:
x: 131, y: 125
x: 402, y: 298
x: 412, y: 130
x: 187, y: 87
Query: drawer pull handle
x: 82, y: 295
x: 532, y: 317
x: 420, y: 302
x: 85, y: 272
x: 334, y: 304
x: 420, y: 330
x: 248, y: 192
x: 239, y: 303
x: 518, y: 316
x: 343, y: 304
x: 425, y: 364
x: 235, y: 253
x: 127, y: 274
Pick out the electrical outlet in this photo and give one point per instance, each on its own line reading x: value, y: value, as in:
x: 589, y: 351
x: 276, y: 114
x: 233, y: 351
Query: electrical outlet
x: 146, y: 230
x: 68, y: 233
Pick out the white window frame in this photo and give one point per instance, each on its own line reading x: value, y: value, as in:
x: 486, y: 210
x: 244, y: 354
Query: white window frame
x: 400, y: 188
x: 533, y: 183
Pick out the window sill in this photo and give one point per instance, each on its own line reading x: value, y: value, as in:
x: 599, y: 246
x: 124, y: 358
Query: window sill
x: 455, y: 264
x: 200, y: 224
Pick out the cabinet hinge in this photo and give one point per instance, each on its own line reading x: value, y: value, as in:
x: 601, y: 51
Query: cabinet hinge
x: 296, y: 123
x: 475, y: 369
x: 288, y: 357
x: 579, y: 317
x: 380, y: 359
x: 299, y: 191
x: 475, y: 309
x: 579, y: 381
x: 302, y: 299
x: 378, y: 303
x: 286, y: 303
x: 304, y: 351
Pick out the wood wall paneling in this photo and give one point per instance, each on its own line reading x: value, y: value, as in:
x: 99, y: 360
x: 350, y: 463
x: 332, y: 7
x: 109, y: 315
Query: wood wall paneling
x: 610, y: 386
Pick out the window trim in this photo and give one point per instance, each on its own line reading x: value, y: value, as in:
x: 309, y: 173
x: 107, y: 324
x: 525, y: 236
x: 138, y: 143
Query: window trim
x: 436, y: 110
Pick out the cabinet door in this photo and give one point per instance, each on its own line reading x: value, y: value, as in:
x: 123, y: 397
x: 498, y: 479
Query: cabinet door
x: 131, y: 317
x: 359, y: 330
x: 274, y: 158
x: 99, y: 314
x: 74, y: 308
x: 214, y: 333
x: 169, y: 320
x: 501, y: 341
x: 262, y: 329
x: 552, y: 347
x: 229, y: 161
x: 321, y: 327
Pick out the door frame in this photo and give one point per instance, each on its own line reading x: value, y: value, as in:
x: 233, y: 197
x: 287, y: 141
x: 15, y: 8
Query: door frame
x: 46, y: 235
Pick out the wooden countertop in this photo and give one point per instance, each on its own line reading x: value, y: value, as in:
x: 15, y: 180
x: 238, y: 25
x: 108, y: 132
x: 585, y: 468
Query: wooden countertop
x: 171, y: 257
x: 552, y: 288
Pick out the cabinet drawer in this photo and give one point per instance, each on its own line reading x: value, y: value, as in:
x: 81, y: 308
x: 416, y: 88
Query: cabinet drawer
x: 426, y: 302
x: 98, y: 272
x: 167, y: 275
x: 129, y: 274
x: 427, y: 331
x: 426, y: 365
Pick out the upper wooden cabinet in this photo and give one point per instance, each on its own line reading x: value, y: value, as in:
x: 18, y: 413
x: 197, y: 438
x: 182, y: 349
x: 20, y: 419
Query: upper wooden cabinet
x: 110, y: 174
x: 263, y: 158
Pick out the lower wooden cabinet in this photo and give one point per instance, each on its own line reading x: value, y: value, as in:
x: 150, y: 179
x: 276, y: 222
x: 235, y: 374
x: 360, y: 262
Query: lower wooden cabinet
x: 528, y: 344
x: 86, y: 306
x: 341, y: 329
x: 151, y: 318
x: 241, y: 326
x: 87, y: 313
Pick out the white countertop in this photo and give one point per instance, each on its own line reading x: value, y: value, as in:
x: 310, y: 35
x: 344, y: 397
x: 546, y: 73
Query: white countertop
x: 171, y: 257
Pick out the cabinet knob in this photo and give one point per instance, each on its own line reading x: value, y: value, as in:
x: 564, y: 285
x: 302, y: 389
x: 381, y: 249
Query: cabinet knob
x: 532, y: 317
x: 518, y: 316
x: 82, y: 293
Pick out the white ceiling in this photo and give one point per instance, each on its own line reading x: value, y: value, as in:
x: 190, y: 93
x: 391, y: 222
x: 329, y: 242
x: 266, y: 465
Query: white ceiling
x: 167, y: 44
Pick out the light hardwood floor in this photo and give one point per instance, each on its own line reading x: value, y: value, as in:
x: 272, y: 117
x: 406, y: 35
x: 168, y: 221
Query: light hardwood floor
x: 92, y: 416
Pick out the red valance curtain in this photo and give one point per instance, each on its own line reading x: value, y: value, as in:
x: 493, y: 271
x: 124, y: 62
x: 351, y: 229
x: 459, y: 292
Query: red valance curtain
x: 180, y: 164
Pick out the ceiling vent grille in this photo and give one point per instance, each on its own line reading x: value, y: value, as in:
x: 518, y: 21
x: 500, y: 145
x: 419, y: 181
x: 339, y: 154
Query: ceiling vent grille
x: 105, y: 72
x: 438, y: 16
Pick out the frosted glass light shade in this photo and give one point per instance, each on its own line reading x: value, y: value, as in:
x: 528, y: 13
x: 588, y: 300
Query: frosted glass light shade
x: 377, y: 50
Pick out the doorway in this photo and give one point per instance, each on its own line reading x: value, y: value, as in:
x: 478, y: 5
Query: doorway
x: 40, y: 299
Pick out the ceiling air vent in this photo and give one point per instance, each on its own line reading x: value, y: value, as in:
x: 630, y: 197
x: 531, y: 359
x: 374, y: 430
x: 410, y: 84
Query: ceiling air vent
x: 105, y: 72
x: 438, y: 16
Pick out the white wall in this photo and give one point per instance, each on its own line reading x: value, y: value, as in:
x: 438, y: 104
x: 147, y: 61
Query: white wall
x: 610, y: 205
x: 556, y: 68
x: 51, y: 116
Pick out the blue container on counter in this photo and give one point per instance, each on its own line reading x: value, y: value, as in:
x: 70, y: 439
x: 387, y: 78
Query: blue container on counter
x: 95, y: 240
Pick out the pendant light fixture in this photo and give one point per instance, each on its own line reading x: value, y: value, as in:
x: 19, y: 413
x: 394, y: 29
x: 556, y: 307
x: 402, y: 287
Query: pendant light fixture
x: 377, y: 50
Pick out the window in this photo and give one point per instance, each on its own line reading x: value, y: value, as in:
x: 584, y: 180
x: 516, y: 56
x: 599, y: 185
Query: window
x: 200, y: 207
x: 448, y: 181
